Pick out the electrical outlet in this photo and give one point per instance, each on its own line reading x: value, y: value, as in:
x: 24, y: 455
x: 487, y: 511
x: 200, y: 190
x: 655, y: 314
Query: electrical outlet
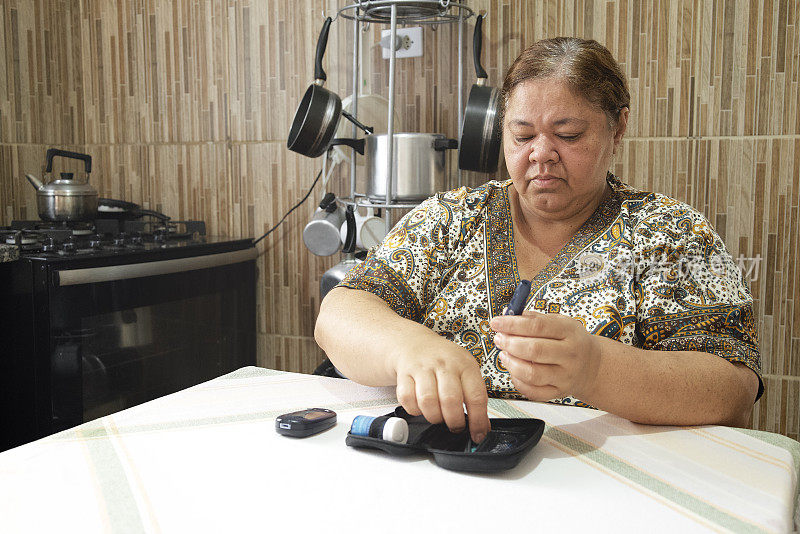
x: 409, y: 41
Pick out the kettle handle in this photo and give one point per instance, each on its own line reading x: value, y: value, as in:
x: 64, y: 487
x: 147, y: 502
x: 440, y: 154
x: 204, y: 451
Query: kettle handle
x: 53, y: 152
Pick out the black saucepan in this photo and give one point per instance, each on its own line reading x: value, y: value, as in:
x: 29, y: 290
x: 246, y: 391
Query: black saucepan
x: 109, y: 208
x: 318, y: 114
x: 479, y: 148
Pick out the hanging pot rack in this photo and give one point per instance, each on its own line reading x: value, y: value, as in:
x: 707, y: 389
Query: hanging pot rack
x: 394, y: 12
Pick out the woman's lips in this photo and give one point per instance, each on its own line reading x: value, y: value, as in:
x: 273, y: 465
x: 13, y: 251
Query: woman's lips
x: 545, y: 180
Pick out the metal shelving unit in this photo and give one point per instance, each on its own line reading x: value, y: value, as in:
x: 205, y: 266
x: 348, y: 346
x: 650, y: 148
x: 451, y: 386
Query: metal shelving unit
x: 394, y: 12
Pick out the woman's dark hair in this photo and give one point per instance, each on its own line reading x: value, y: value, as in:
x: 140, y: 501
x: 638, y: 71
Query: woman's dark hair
x: 586, y: 66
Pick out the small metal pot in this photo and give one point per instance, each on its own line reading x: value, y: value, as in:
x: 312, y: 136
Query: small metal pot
x: 419, y: 165
x: 334, y: 275
x: 321, y: 234
x: 65, y: 199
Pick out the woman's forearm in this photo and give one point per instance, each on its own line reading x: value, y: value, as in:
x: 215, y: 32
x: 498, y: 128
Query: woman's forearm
x: 671, y: 387
x: 360, y: 334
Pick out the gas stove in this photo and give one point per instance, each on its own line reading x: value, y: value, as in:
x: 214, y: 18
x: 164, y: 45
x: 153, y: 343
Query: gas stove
x: 110, y: 313
x: 102, y: 237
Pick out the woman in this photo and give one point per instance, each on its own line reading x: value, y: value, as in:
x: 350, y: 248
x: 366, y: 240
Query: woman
x: 636, y: 307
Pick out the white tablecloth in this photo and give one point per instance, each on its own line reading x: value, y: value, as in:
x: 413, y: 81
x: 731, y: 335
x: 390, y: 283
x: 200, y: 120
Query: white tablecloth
x: 208, y: 459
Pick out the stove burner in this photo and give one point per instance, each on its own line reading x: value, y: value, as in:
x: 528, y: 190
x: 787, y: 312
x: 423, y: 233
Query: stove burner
x: 26, y: 240
x: 68, y: 247
x: 49, y: 245
x: 99, y: 237
x: 21, y: 238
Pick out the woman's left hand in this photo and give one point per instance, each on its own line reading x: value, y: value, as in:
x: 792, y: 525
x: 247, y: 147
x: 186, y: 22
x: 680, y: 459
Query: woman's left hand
x: 548, y: 355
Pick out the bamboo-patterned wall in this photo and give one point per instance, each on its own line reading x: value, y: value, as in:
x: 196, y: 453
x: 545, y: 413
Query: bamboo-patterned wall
x: 185, y: 107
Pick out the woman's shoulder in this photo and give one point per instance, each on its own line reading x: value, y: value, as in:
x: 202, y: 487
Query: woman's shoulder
x: 462, y: 203
x: 651, y: 212
x: 471, y: 199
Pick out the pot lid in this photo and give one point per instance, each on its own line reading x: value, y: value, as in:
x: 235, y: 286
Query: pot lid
x: 67, y: 187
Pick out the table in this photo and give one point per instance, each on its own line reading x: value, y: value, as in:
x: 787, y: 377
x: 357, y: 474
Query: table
x: 207, y: 459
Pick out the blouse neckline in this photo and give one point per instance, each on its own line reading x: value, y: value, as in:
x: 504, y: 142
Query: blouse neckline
x: 505, y: 280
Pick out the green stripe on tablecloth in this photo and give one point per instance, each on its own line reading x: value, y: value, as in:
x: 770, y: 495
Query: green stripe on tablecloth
x: 96, y: 429
x: 632, y: 473
x: 120, y: 504
x: 250, y: 372
x: 778, y: 440
x: 784, y: 442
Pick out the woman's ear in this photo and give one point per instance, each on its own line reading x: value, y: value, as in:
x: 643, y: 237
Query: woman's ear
x: 622, y: 124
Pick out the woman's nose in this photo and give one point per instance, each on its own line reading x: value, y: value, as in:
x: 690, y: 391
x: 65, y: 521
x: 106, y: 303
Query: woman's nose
x: 543, y: 151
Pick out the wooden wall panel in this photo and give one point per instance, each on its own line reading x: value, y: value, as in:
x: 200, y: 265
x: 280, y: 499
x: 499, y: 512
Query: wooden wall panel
x: 186, y: 105
x: 41, y: 98
x: 746, y: 68
x: 156, y: 72
x: 289, y: 294
x: 272, y: 48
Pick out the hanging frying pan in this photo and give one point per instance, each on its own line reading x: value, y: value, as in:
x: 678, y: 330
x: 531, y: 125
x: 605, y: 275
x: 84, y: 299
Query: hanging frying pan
x: 479, y: 148
x: 318, y: 114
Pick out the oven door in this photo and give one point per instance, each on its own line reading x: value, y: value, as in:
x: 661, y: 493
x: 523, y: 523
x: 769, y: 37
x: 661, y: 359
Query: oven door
x: 125, y: 334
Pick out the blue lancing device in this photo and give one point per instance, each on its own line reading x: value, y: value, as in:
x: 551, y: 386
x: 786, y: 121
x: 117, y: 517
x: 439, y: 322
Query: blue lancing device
x: 519, y: 298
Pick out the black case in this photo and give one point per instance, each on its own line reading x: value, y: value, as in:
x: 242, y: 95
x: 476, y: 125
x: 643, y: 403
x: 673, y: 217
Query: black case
x: 503, y: 448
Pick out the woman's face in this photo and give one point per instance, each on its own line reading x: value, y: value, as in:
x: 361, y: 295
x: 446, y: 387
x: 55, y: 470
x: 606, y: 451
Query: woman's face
x: 558, y: 148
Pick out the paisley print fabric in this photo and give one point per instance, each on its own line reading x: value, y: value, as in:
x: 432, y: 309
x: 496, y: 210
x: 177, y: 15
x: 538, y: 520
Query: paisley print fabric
x: 645, y: 270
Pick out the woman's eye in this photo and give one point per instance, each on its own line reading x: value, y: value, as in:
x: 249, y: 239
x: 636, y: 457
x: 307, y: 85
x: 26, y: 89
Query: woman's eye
x: 522, y: 139
x: 569, y: 137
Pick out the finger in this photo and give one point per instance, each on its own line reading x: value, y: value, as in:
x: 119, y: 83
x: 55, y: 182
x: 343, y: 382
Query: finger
x: 532, y: 374
x: 532, y: 349
x: 428, y: 397
x: 477, y: 401
x: 537, y: 393
x: 407, y: 394
x: 534, y: 324
x: 451, y: 401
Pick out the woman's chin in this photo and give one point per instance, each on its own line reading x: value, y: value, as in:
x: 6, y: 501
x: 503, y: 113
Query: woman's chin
x: 552, y: 202
x: 547, y: 191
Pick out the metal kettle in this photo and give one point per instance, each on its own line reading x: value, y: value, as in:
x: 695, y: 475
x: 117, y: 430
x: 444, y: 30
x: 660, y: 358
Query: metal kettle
x: 65, y: 199
x: 335, y: 274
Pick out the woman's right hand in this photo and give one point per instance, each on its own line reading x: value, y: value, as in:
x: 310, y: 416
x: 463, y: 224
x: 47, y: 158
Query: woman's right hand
x: 436, y: 381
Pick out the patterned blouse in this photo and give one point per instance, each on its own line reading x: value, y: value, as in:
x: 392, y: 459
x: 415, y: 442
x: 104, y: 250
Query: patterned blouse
x: 644, y: 269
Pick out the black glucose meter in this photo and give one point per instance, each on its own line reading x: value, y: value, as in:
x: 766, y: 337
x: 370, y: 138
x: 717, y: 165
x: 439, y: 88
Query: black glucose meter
x: 305, y: 422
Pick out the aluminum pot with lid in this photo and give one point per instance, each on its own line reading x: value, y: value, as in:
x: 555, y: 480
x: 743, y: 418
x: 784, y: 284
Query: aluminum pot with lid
x: 419, y: 165
x: 65, y: 199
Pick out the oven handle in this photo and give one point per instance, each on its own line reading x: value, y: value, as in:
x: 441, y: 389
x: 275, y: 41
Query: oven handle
x: 139, y: 270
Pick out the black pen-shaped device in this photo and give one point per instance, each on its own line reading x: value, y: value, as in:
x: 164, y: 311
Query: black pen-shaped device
x: 519, y: 298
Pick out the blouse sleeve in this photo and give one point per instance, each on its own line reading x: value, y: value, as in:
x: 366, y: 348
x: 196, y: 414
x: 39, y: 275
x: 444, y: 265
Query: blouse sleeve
x: 690, y: 293
x: 405, y: 269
